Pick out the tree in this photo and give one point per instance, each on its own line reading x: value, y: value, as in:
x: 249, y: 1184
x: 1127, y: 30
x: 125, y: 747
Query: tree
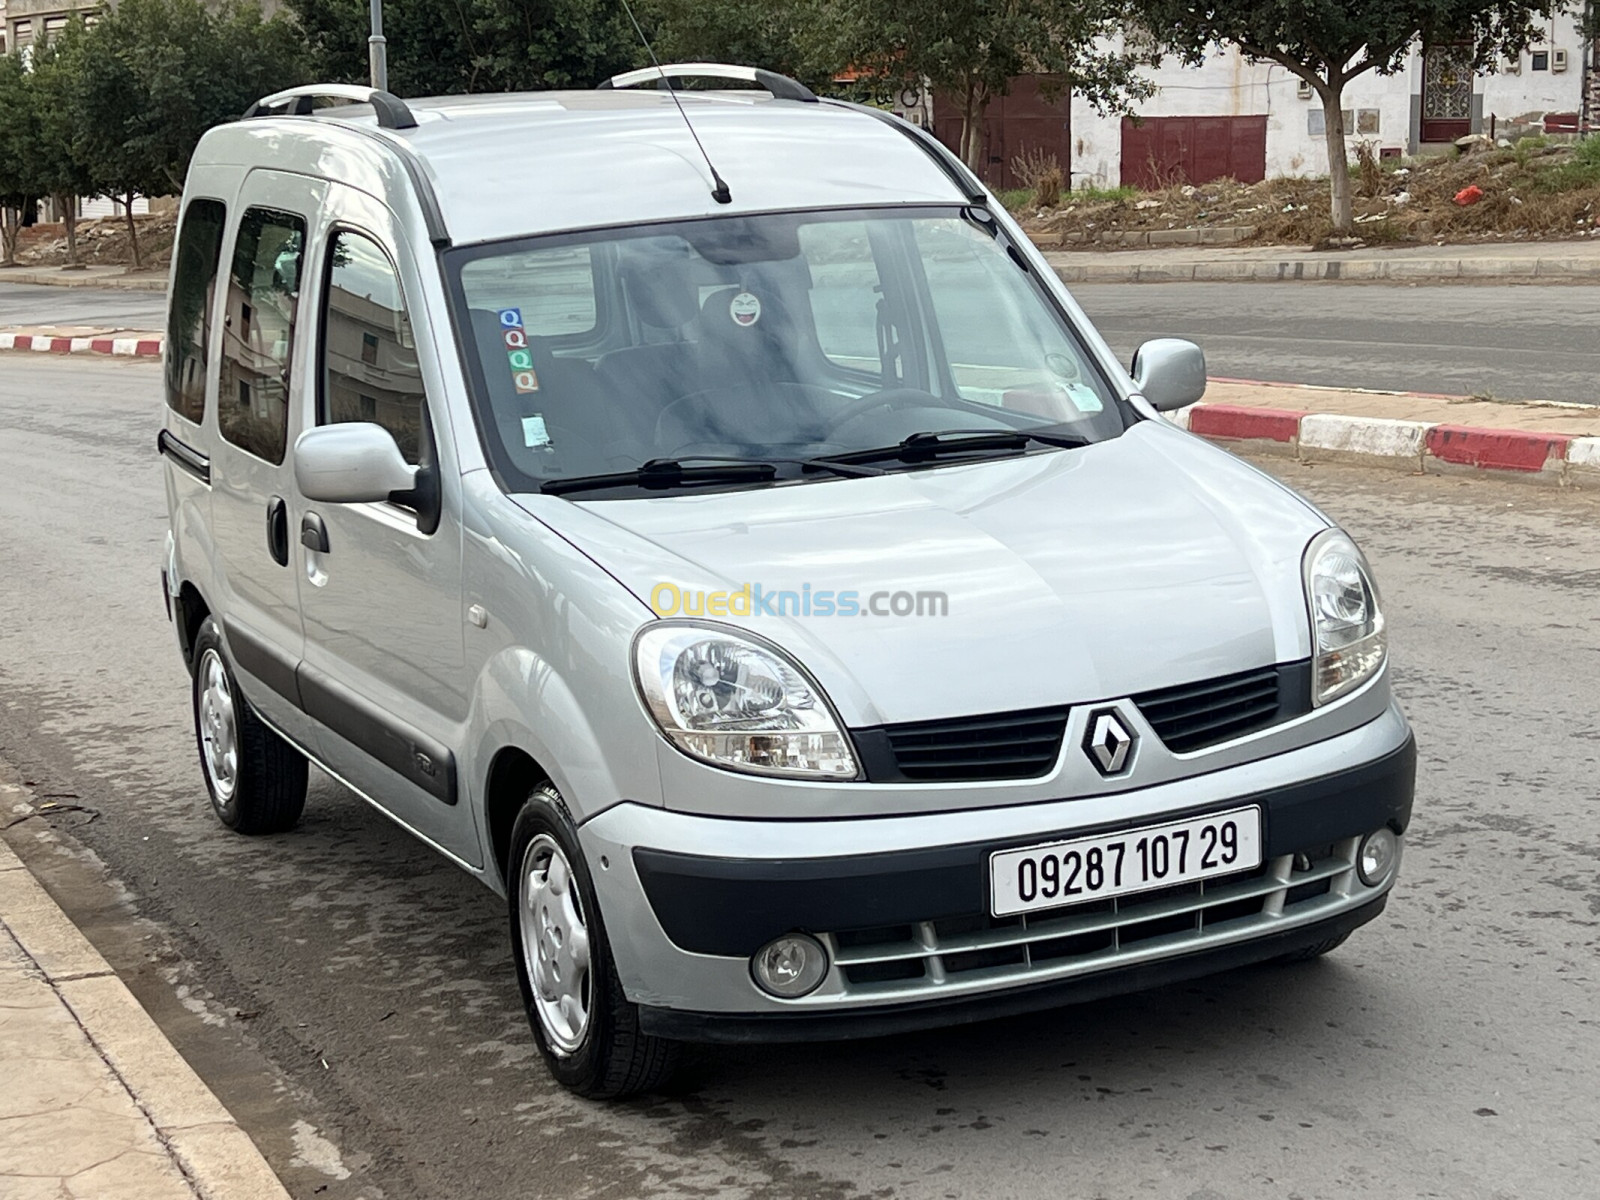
x: 54, y: 157
x: 473, y: 45
x: 973, y: 48
x: 1328, y: 43
x: 16, y: 180
x: 760, y: 33
x: 156, y: 75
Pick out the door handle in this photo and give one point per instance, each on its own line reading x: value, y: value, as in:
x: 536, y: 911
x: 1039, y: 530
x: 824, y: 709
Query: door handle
x: 278, y: 530
x: 314, y: 533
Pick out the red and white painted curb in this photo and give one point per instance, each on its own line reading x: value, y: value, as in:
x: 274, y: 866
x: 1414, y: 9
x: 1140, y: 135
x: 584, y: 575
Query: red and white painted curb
x: 130, y: 347
x: 1419, y: 445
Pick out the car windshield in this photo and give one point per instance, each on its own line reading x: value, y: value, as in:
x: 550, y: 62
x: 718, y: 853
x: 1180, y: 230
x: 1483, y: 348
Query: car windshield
x: 783, y: 339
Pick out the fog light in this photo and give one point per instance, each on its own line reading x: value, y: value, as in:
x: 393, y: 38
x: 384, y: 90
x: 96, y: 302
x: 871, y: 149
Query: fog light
x: 790, y: 966
x: 1379, y: 849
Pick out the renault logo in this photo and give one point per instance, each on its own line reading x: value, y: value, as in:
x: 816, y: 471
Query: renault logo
x: 1108, y: 742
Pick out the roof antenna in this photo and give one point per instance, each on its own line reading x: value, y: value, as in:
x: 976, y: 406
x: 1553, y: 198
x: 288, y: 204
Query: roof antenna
x: 720, y: 192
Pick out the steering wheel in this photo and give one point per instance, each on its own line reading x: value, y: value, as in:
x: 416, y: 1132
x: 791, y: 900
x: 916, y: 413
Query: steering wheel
x: 890, y: 398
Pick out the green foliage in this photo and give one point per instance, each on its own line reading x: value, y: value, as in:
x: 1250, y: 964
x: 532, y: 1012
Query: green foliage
x: 159, y: 73
x: 56, y: 164
x: 972, y: 49
x: 473, y: 45
x: 759, y: 33
x: 1582, y: 170
x: 1089, y: 194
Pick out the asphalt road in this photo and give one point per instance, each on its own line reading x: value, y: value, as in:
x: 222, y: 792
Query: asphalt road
x: 351, y: 997
x: 1515, y: 343
x: 40, y: 304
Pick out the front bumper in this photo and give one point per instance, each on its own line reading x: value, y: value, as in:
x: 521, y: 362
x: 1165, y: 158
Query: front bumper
x: 901, y: 903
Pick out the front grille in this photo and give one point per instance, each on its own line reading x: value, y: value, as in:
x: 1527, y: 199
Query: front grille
x: 1016, y: 745
x: 1193, y: 716
x: 908, y: 960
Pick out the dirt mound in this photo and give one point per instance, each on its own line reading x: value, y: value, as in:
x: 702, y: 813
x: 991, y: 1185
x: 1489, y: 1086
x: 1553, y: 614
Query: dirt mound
x: 101, y: 243
x: 1531, y: 191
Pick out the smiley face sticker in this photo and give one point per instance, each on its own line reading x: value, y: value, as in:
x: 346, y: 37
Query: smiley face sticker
x: 745, y: 309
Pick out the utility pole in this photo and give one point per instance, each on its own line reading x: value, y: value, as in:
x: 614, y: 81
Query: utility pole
x: 377, y: 50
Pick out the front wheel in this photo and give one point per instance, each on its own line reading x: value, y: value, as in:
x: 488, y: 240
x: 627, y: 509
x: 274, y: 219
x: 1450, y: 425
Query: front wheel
x: 586, y: 1028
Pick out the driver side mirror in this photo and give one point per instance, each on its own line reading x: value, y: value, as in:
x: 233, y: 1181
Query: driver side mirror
x: 1170, y: 372
x: 354, y: 462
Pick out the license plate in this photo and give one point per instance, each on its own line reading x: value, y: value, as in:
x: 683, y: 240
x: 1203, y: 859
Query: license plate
x: 1115, y: 864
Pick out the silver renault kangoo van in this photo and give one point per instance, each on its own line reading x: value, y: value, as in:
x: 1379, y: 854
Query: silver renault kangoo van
x: 704, y: 517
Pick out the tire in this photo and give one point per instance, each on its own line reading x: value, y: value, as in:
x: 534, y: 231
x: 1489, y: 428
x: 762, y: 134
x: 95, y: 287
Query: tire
x: 586, y: 1029
x: 1307, y: 953
x: 256, y: 780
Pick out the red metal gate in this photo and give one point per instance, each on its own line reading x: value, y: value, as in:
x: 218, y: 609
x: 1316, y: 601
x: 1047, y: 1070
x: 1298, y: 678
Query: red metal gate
x: 1016, y: 124
x: 1163, y: 151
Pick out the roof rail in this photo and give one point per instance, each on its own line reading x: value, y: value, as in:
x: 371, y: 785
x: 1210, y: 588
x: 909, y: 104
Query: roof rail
x: 297, y: 102
x: 781, y: 86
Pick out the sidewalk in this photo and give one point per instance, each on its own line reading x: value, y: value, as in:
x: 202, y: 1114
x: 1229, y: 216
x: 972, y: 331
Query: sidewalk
x: 96, y: 1103
x: 95, y: 277
x: 1499, y: 262
x: 1548, y: 443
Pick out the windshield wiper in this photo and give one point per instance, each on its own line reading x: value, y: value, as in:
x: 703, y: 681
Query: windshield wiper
x: 660, y: 474
x: 664, y: 473
x: 932, y: 444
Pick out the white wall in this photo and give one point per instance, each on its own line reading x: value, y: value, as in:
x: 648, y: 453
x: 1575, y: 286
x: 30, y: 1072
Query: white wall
x: 1226, y: 84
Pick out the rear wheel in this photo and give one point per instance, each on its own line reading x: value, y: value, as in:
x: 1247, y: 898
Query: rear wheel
x: 586, y: 1028
x: 256, y: 780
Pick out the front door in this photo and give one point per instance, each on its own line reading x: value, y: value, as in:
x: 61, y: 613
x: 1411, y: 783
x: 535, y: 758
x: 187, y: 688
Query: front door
x: 259, y: 413
x: 1447, y: 78
x: 384, y: 674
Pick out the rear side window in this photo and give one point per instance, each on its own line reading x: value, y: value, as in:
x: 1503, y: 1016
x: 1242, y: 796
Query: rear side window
x: 369, y: 357
x: 189, y: 316
x: 258, y: 340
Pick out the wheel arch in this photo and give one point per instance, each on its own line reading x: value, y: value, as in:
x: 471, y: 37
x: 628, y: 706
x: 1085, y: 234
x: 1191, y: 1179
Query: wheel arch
x: 189, y: 614
x: 513, y: 774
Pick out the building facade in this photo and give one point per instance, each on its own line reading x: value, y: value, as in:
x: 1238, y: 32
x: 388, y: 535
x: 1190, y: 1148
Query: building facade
x: 1233, y: 117
x: 25, y: 22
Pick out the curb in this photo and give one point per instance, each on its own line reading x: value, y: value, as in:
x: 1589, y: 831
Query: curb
x: 213, y: 1152
x: 1422, y: 447
x: 1296, y: 270
x: 55, y: 277
x: 135, y: 347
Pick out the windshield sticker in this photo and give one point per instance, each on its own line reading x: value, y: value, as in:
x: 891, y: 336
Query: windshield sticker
x: 745, y: 309
x: 534, y: 434
x: 1084, y: 397
x: 517, y: 352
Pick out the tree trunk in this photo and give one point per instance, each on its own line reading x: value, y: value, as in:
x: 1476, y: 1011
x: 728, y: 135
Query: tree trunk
x: 973, y: 106
x: 1338, y: 156
x: 69, y: 218
x: 10, y: 226
x: 133, y: 233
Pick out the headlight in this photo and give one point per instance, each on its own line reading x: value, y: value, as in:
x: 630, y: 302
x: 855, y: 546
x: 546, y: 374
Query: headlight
x: 1348, y: 642
x: 729, y: 700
